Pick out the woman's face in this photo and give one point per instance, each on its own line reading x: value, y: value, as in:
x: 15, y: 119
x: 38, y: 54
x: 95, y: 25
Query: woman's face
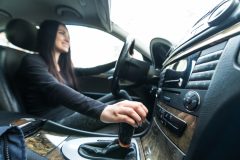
x: 62, y: 41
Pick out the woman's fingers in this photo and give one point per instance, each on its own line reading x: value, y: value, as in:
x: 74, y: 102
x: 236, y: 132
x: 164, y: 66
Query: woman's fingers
x: 128, y: 113
x: 115, y: 114
x: 133, y: 113
x: 127, y: 119
x: 138, y: 107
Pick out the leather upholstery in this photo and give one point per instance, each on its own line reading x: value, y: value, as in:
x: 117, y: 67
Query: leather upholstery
x: 107, y: 150
x: 22, y: 34
x: 9, y: 61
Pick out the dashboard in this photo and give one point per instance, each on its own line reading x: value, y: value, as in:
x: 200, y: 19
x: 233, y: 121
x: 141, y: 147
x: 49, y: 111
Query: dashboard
x: 198, y: 94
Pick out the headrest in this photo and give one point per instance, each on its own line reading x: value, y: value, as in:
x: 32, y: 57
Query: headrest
x: 22, y: 34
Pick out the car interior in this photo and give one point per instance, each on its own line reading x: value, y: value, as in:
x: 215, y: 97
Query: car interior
x: 191, y: 89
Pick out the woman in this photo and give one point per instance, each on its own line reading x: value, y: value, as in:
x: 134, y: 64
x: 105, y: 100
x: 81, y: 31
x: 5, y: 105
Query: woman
x: 49, y: 87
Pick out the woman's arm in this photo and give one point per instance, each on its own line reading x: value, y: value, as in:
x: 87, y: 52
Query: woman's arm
x: 35, y: 71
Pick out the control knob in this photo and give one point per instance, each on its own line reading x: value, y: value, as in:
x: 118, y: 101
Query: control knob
x: 191, y: 100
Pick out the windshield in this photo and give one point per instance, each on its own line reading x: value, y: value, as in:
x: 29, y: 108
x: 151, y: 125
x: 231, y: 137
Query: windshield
x: 169, y: 19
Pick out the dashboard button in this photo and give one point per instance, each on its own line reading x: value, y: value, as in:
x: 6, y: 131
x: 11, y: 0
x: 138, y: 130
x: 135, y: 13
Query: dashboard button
x: 191, y: 100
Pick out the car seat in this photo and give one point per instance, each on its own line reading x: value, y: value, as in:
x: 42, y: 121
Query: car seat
x: 21, y: 34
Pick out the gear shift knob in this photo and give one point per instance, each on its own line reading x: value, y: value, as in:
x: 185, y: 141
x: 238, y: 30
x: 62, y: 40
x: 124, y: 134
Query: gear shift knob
x: 125, y: 133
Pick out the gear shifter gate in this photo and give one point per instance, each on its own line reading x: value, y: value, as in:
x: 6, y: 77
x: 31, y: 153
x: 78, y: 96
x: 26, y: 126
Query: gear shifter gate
x: 107, y: 150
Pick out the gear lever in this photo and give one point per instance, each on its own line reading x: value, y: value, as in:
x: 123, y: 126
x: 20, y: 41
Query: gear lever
x: 125, y: 133
x: 120, y: 148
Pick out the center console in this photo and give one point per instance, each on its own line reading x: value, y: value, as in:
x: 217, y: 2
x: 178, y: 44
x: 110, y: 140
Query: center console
x: 189, y: 88
x: 72, y: 148
x: 50, y: 140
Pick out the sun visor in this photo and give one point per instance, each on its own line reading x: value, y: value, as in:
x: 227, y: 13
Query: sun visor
x: 103, y: 9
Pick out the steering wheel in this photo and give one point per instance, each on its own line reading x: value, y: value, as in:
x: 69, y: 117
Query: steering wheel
x: 126, y: 51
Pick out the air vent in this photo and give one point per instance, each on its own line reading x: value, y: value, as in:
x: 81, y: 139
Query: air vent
x: 205, y: 66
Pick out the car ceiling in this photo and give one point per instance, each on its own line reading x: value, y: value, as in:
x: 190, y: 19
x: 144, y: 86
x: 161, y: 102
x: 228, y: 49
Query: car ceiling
x: 93, y: 13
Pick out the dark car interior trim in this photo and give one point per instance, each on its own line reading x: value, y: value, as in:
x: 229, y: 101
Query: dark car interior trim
x: 197, y: 103
x: 220, y: 36
x: 203, y: 28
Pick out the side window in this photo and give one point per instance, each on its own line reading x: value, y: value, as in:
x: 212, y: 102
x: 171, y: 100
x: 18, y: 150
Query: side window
x: 3, y: 39
x: 92, y: 47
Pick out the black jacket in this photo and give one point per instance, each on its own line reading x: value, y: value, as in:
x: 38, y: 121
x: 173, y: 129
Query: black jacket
x: 41, y: 91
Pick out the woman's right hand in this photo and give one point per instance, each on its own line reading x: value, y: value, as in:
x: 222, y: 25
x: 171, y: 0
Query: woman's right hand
x: 131, y: 112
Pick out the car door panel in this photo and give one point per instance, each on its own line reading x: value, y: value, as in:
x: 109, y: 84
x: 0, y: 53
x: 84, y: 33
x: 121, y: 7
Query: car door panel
x: 95, y: 82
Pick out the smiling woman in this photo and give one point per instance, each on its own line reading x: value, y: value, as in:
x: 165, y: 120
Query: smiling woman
x: 62, y: 40
x: 176, y: 85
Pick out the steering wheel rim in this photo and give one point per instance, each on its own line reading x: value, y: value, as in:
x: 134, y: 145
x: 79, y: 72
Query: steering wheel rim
x: 126, y: 51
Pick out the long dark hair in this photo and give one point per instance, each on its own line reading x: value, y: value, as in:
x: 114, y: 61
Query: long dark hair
x: 45, y: 45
